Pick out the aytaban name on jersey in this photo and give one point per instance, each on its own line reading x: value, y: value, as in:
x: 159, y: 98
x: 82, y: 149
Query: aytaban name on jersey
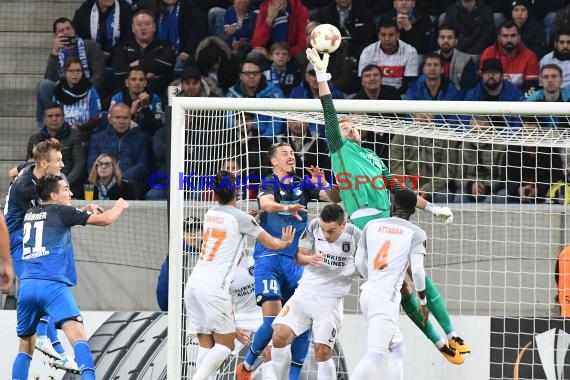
x: 390, y: 230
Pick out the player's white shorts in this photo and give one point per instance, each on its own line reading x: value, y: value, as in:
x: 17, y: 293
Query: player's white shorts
x: 323, y: 314
x: 210, y: 311
x: 382, y: 316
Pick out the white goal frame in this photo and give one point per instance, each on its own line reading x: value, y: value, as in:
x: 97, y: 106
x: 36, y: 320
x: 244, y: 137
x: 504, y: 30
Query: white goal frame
x: 180, y: 105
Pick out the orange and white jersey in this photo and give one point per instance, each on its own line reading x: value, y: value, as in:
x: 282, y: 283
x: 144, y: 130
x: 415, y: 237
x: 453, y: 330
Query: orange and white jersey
x: 332, y: 278
x: 222, y: 243
x: 384, y: 253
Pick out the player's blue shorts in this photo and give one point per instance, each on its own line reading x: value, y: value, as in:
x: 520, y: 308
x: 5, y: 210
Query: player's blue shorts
x: 276, y: 278
x: 36, y: 298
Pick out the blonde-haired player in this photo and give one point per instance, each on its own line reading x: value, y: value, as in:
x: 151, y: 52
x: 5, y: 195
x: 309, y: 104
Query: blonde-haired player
x: 207, y: 297
x: 386, y: 248
x: 328, y: 245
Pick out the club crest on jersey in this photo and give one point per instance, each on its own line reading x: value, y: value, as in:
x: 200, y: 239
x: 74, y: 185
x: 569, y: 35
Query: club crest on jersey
x: 250, y: 270
x: 346, y: 246
x: 259, y: 298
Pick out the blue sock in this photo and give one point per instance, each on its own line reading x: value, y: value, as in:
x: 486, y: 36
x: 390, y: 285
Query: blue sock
x: 299, y: 351
x: 53, y: 337
x: 21, y: 366
x: 84, y: 360
x: 260, y: 340
x: 41, y: 330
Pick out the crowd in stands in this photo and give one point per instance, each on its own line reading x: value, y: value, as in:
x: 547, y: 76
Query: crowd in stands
x: 108, y: 70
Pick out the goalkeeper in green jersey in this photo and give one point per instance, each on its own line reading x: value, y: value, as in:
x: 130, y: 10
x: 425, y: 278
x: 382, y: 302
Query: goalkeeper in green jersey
x: 363, y: 202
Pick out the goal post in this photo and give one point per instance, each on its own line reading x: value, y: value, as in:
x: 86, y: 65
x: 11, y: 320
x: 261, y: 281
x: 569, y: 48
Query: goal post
x: 495, y: 260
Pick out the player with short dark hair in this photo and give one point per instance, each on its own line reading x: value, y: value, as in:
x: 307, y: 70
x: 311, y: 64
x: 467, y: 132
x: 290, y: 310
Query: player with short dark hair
x: 207, y: 295
x: 48, y: 272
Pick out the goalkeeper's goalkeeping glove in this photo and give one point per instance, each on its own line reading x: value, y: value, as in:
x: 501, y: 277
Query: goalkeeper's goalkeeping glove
x: 440, y: 212
x: 320, y: 65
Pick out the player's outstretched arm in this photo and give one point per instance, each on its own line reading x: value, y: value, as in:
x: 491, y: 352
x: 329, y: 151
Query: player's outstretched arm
x: 268, y: 204
x: 6, y: 269
x: 332, y: 130
x: 437, y: 211
x: 109, y: 216
x: 274, y: 243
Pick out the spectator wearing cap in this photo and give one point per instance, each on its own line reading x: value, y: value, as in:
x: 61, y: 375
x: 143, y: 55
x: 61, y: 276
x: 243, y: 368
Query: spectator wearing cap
x: 519, y: 63
x: 193, y: 84
x: 473, y: 21
x: 191, y: 246
x: 493, y: 87
x: 532, y: 33
x: 560, y: 56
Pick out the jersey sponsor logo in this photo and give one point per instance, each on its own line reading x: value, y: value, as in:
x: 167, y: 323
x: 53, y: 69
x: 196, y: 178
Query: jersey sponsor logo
x: 346, y: 246
x: 334, y: 261
x: 259, y: 298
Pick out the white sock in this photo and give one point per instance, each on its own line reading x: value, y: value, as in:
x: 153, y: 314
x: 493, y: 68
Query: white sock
x: 212, y: 361
x: 326, y: 370
x: 396, y: 361
x: 368, y: 367
x: 202, y: 352
x: 440, y: 343
x: 281, y: 361
x: 451, y: 335
x: 267, y: 371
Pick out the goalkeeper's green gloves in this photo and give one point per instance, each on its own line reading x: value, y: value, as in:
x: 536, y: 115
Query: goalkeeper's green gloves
x: 440, y: 212
x: 319, y: 64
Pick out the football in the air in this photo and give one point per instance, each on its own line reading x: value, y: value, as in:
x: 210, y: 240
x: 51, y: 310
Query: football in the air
x: 325, y: 38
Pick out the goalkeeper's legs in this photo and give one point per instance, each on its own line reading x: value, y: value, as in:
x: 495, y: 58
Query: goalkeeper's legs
x: 412, y: 309
x: 436, y: 306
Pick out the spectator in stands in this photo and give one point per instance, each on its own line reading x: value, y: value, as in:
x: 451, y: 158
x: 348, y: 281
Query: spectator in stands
x: 182, y: 25
x: 216, y: 61
x: 340, y: 63
x: 458, y: 66
x: 353, y: 20
x: 373, y: 89
x: 106, y: 22
x: 239, y: 24
x: 433, y: 85
x: 252, y: 84
x: 66, y: 44
x: 191, y: 246
x: 310, y: 148
x: 127, y: 142
x: 281, y: 72
x: 545, y: 13
x: 560, y: 56
x: 280, y: 21
x: 473, y: 21
x: 192, y: 83
x: 520, y: 65
x: 561, y: 22
x: 551, y: 91
x: 415, y: 26
x: 529, y: 171
x: 155, y: 57
x: 108, y: 181
x: 532, y: 33
x: 146, y: 108
x: 493, y: 87
x: 73, y: 153
x: 309, y: 89
x: 435, y: 161
x: 480, y: 165
x: 80, y: 100
x: 397, y: 60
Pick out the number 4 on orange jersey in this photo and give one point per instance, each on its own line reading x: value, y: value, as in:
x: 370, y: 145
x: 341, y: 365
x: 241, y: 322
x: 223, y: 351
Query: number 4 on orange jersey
x: 381, y: 258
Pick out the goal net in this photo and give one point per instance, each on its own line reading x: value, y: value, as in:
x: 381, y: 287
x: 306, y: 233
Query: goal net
x: 501, y: 167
